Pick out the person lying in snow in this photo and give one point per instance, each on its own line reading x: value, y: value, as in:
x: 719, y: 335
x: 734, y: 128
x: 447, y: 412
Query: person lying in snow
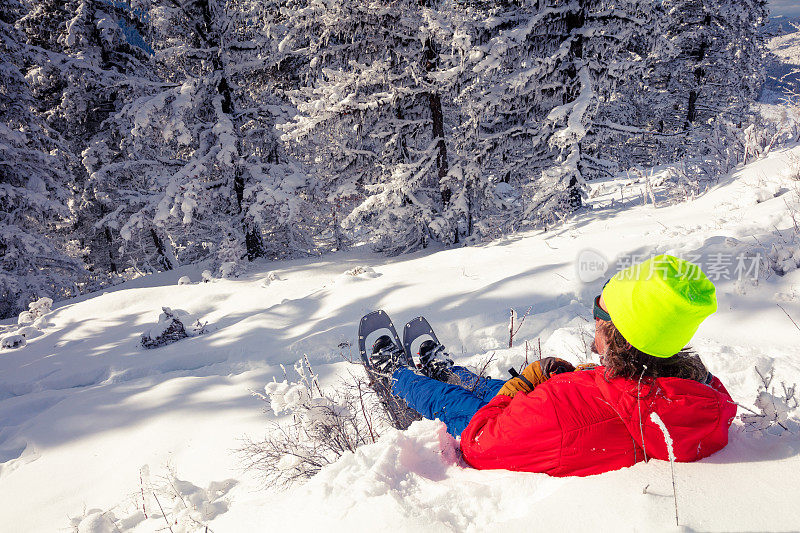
x: 566, y: 421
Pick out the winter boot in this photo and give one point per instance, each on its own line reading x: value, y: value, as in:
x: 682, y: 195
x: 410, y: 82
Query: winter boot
x: 386, y: 356
x: 434, y: 361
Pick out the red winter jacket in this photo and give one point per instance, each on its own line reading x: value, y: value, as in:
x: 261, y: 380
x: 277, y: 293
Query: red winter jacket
x: 579, y: 423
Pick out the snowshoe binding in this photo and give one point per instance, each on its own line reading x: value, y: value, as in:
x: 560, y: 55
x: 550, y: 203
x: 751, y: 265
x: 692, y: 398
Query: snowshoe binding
x: 434, y: 361
x: 386, y: 356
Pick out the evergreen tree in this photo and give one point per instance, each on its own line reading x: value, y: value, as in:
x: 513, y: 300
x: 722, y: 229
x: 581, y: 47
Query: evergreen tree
x: 194, y: 165
x: 719, y: 54
x: 34, y: 186
x: 543, y: 77
x: 707, y: 75
x: 371, y: 115
x: 83, y: 68
x: 149, y: 133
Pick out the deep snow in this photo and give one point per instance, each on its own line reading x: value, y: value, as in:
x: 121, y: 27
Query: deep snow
x: 783, y: 70
x: 88, y: 419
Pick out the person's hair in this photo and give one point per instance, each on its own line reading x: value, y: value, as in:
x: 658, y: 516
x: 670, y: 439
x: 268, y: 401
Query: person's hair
x: 623, y: 360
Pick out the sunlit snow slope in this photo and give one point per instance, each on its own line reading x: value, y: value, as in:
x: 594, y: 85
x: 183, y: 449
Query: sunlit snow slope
x: 83, y: 408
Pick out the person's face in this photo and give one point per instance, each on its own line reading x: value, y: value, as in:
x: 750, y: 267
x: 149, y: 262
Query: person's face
x: 600, y: 342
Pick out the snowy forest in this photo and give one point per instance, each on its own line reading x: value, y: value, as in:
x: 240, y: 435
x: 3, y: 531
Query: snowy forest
x: 137, y: 136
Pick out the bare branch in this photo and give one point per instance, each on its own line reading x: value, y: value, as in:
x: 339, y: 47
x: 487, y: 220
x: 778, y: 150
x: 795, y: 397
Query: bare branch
x: 787, y: 314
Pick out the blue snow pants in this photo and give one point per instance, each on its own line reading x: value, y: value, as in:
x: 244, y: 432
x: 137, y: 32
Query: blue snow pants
x: 452, y: 404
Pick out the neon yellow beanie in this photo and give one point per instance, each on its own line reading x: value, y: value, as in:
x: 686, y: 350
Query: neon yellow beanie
x: 658, y: 305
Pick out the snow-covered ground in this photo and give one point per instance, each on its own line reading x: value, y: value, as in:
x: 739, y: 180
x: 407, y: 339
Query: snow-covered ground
x: 90, y: 422
x: 786, y: 47
x: 783, y: 72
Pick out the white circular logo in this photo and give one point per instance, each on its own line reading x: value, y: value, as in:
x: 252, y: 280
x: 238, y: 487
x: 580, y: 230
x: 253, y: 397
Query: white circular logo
x: 591, y: 265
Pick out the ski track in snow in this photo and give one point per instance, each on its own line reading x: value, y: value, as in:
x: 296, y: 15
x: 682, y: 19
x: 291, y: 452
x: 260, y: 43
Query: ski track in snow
x: 83, y: 408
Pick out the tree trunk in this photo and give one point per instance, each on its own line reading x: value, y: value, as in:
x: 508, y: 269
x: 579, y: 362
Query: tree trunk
x: 574, y: 21
x: 252, y: 236
x: 253, y: 242
x: 691, y: 112
x: 699, y: 73
x: 112, y: 264
x: 470, y: 209
x: 437, y: 118
x: 435, y: 102
x: 162, y: 253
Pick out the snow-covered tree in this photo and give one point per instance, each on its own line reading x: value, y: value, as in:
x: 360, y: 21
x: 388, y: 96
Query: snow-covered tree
x: 193, y: 166
x: 83, y: 67
x: 152, y: 133
x: 543, y: 76
x: 34, y: 187
x: 372, y: 115
x: 702, y: 68
x: 84, y: 61
x: 707, y: 75
x: 481, y: 196
x: 719, y: 65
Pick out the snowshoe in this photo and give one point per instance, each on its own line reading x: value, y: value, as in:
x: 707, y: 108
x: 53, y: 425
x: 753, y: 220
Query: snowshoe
x: 386, y: 356
x: 373, y: 323
x: 434, y: 361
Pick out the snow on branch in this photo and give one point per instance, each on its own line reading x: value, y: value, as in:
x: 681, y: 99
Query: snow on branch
x: 324, y: 424
x: 775, y: 410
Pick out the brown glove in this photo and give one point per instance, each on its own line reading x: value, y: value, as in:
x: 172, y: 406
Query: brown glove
x: 535, y: 373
